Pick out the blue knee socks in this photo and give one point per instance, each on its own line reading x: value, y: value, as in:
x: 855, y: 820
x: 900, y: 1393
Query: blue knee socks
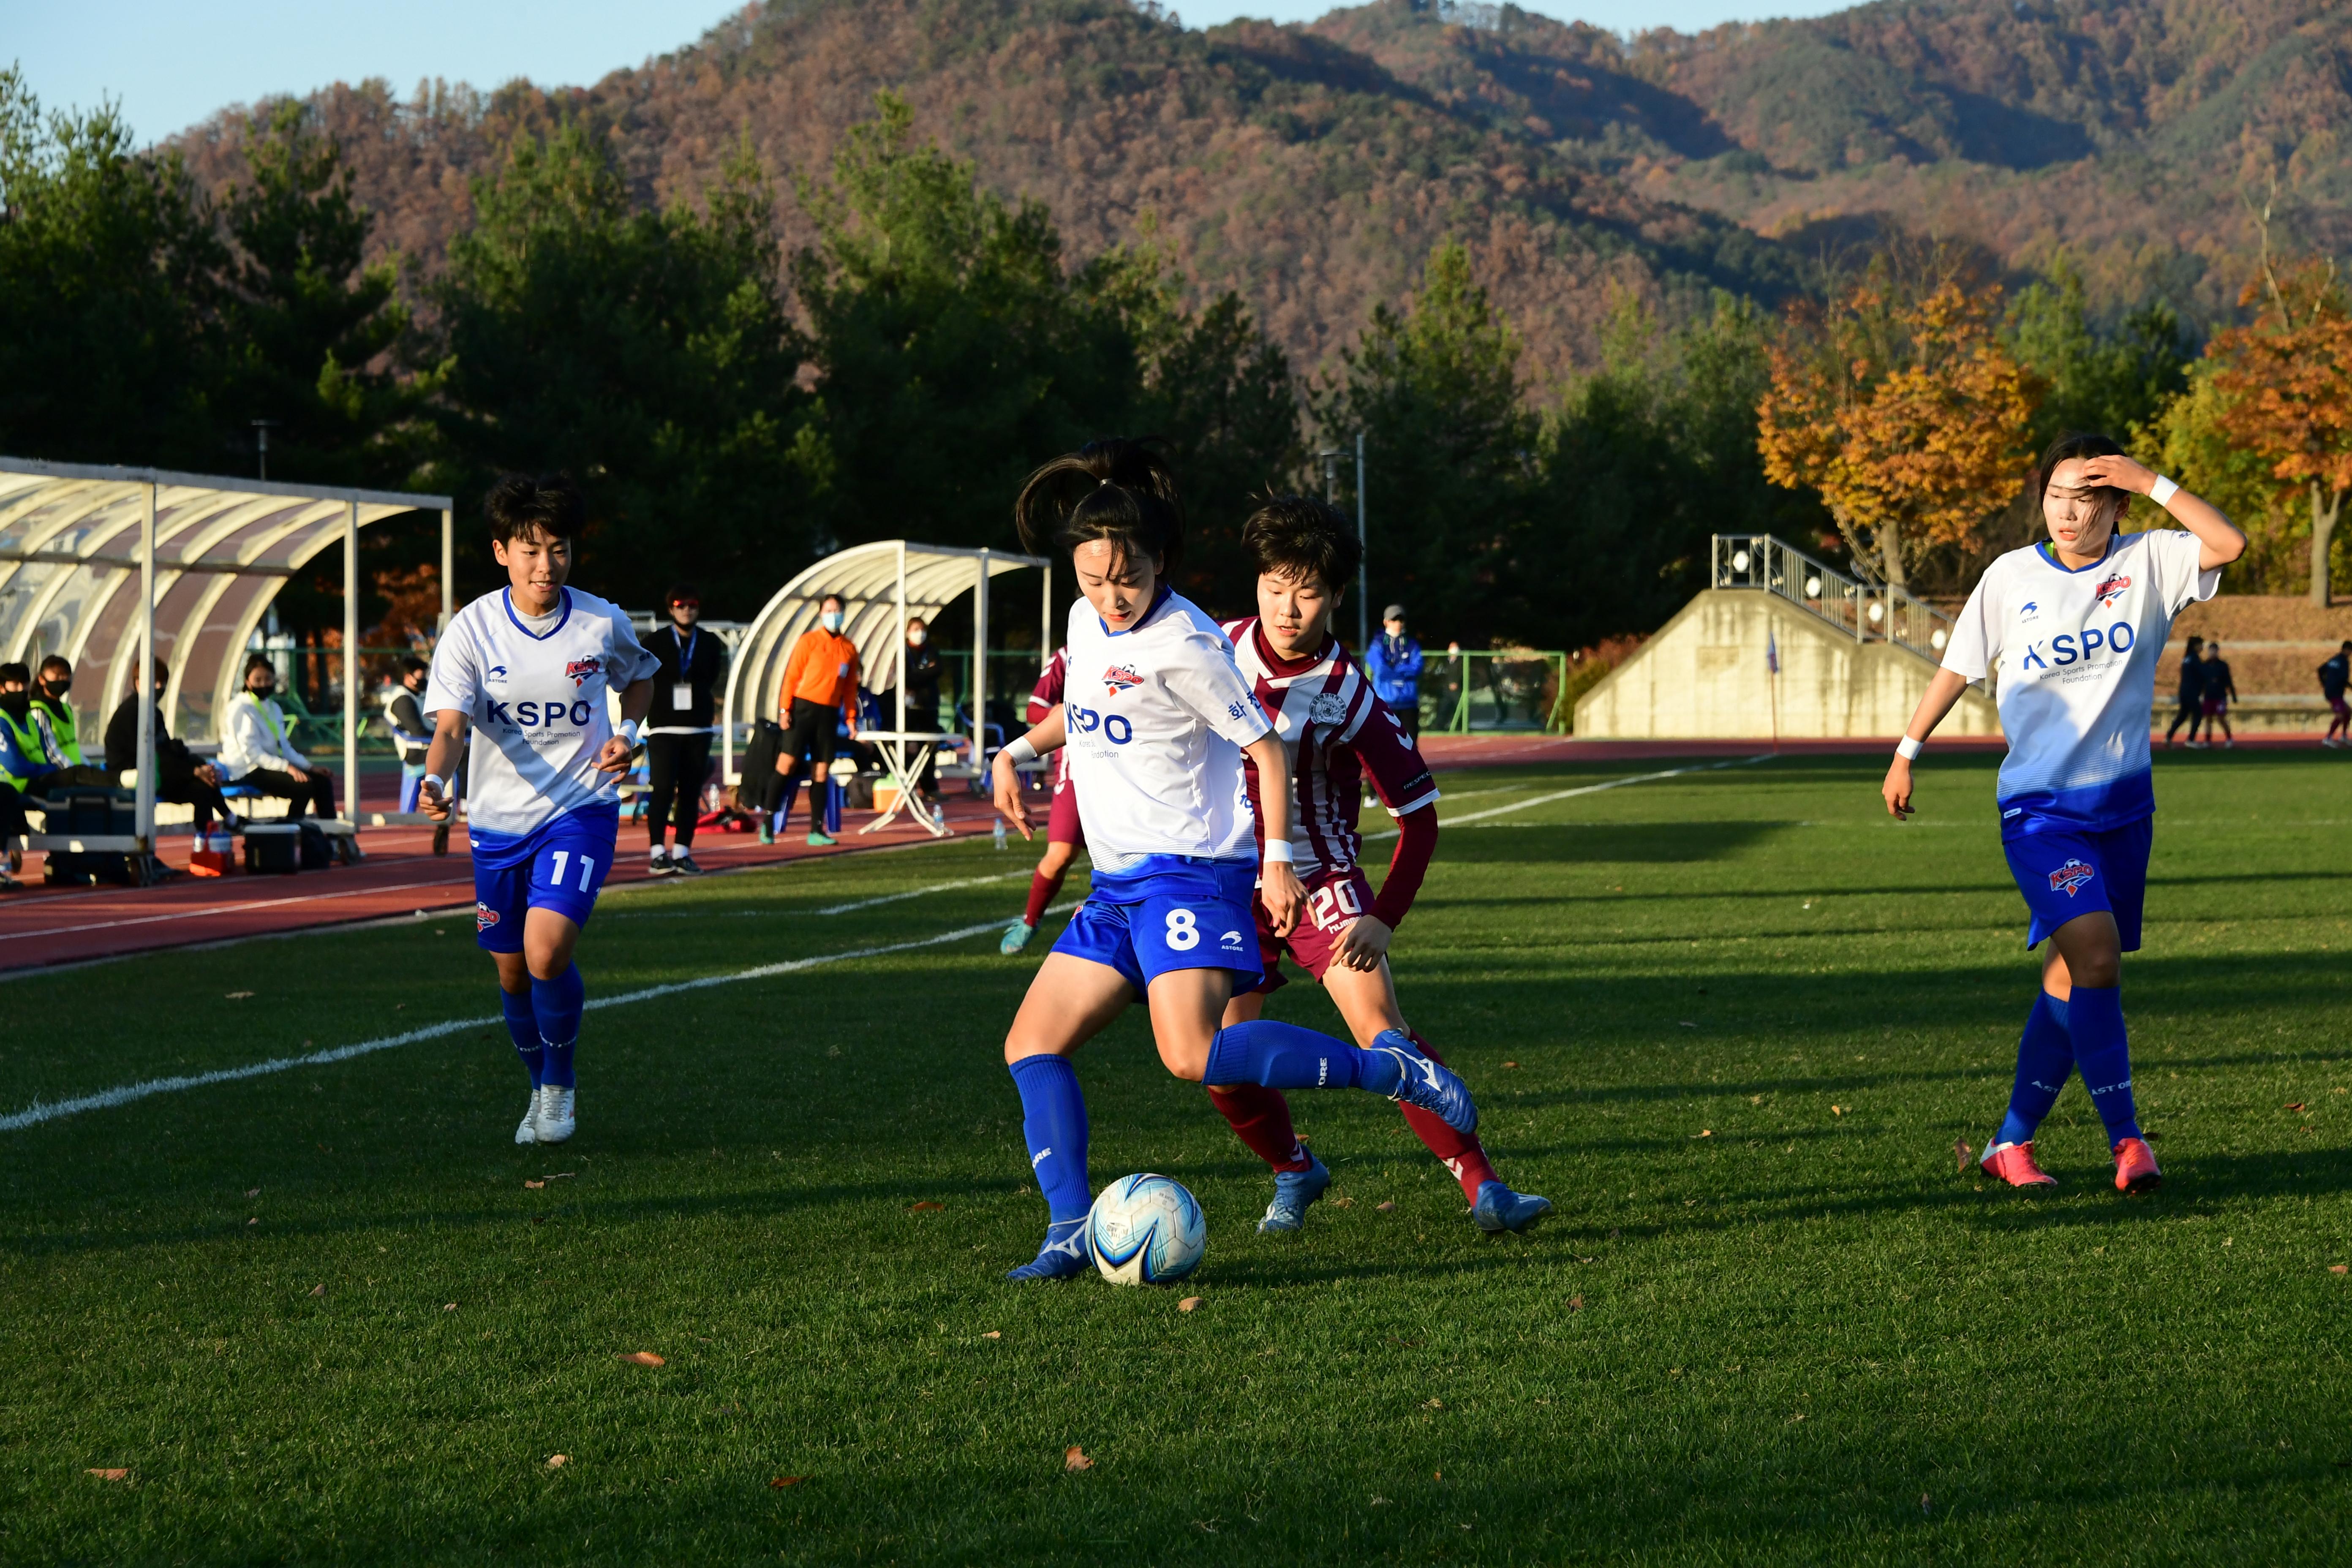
x: 557, y: 1003
x: 522, y: 1026
x: 2046, y: 1059
x: 1054, y: 1121
x: 1284, y: 1055
x: 2095, y: 1017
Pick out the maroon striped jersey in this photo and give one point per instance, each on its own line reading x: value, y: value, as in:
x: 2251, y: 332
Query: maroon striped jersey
x: 1046, y: 699
x: 1338, y: 734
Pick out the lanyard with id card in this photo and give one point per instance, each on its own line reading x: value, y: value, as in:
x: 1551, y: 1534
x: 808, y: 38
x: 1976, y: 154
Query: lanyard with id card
x: 681, y: 696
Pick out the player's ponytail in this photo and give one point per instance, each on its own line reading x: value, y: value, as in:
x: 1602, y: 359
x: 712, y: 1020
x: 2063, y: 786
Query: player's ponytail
x: 2112, y: 498
x: 1113, y: 488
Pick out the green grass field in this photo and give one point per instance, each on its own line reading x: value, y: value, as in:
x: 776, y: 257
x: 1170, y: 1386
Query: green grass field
x: 320, y: 1316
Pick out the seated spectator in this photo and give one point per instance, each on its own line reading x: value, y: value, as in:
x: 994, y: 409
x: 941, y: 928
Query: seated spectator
x: 31, y: 763
x: 411, y: 735
x: 256, y: 753
x: 179, y: 776
x: 54, y: 714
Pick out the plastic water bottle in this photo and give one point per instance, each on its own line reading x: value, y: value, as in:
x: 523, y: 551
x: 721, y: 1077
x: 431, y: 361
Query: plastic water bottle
x: 999, y: 833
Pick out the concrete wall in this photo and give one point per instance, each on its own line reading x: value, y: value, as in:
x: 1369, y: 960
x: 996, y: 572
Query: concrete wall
x: 1703, y: 677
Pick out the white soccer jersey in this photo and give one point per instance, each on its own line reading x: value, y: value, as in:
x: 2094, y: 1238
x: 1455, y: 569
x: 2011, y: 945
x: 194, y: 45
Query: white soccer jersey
x: 1157, y: 717
x: 537, y: 704
x: 2074, y: 654
x: 1335, y: 732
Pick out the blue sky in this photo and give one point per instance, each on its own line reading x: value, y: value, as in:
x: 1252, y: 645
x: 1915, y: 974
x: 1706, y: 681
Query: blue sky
x: 170, y: 63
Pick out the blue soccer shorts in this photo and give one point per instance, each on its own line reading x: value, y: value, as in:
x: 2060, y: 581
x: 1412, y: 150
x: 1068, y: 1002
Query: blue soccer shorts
x: 1173, y: 912
x: 560, y: 865
x: 2064, y: 875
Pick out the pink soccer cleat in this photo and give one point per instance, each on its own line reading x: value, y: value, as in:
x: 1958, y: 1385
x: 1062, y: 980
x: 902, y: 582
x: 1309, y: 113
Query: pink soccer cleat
x: 2013, y: 1164
x: 2135, y: 1169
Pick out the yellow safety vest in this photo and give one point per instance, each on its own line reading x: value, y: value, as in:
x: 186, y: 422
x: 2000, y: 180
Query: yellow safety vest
x: 61, y: 725
x: 28, y: 742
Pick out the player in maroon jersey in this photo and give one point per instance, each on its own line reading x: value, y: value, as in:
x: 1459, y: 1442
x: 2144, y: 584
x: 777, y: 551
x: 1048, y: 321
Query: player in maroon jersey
x: 1338, y: 733
x: 1064, y: 836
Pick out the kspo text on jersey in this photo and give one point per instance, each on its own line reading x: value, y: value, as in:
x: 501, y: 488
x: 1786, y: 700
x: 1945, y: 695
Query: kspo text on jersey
x: 529, y: 715
x: 2078, y: 647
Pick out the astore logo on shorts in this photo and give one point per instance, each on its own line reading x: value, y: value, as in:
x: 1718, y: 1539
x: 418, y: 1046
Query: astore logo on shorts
x: 2070, y: 877
x: 485, y: 917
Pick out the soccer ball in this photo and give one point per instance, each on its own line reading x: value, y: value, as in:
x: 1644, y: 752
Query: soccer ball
x: 1146, y: 1230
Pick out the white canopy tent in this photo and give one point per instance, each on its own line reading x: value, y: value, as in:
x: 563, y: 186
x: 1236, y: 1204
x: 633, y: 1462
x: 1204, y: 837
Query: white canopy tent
x: 881, y: 585
x: 112, y: 568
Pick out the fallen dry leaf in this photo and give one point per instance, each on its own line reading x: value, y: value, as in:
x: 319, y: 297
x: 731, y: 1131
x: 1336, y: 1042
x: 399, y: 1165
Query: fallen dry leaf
x: 1189, y: 1304
x: 528, y: 1182
x: 643, y: 1358
x: 450, y: 1307
x: 1837, y: 1111
x: 2340, y: 1268
x: 1704, y: 1132
x: 239, y: 995
x: 1575, y: 1303
x: 1386, y: 1208
x: 2296, y: 1105
x: 1075, y: 1459
x: 111, y: 1474
x: 926, y: 1204
x: 1960, y: 1151
x: 1433, y: 1404
x: 253, y: 1191
x: 785, y: 1481
x: 1510, y: 1064
x: 319, y: 1290
x: 1341, y: 1203
x: 255, y: 1220
x: 994, y: 1334
x: 557, y: 1461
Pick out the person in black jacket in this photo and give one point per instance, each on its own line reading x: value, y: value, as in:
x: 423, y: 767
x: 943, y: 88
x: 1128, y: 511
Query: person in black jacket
x: 678, y: 729
x: 179, y: 776
x: 922, y: 663
x: 2192, y: 690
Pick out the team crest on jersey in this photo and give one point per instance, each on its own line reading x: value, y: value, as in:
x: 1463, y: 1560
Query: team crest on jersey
x: 580, y: 671
x: 2070, y: 878
x: 1119, y: 678
x: 1328, y: 709
x: 2111, y: 590
x: 485, y: 917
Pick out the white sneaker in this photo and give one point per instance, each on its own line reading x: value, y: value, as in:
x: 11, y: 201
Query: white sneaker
x: 527, y: 1131
x: 555, y: 1118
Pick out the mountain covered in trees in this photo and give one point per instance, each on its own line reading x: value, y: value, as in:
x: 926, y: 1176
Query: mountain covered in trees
x: 1311, y: 168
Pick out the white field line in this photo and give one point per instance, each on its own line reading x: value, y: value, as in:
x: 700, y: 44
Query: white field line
x: 123, y: 1094
x: 234, y: 908
x: 828, y: 910
x: 1445, y: 822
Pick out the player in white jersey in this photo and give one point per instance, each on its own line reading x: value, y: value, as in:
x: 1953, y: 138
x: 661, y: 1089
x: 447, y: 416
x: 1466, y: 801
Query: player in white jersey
x: 1157, y: 719
x: 2072, y: 630
x: 1337, y: 733
x: 526, y: 669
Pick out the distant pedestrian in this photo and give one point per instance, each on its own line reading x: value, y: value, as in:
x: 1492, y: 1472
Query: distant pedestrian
x: 1394, y: 660
x: 2217, y: 692
x: 2334, y: 675
x: 2192, y: 685
x: 678, y: 729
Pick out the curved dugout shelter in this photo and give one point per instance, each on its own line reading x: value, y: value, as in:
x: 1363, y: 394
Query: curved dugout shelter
x: 98, y: 563
x: 881, y: 585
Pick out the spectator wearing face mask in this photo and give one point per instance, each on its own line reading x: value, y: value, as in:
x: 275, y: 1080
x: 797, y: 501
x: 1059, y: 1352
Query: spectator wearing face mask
x: 53, y: 712
x: 255, y: 751
x: 820, y: 692
x: 34, y: 757
x: 179, y: 776
x: 678, y: 729
x: 922, y: 663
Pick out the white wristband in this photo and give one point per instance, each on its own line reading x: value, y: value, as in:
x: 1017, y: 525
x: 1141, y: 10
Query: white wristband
x: 1020, y: 751
x: 440, y: 786
x: 629, y: 733
x: 1906, y: 748
x: 1278, y: 852
x: 2162, y: 491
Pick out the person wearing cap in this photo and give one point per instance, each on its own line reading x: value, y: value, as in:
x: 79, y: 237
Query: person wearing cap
x: 678, y: 728
x: 1394, y: 660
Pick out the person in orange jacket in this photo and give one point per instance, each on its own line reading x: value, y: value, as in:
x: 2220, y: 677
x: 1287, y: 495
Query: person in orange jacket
x: 820, y: 684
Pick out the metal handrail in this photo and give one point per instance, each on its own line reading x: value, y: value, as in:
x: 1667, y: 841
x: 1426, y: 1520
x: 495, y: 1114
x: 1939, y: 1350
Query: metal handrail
x: 1863, y: 611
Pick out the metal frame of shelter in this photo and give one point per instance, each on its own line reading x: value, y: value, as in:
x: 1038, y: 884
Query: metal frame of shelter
x: 881, y: 587
x: 95, y: 559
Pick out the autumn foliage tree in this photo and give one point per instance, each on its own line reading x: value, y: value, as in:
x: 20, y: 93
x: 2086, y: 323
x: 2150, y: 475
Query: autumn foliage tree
x: 1904, y: 410
x: 2288, y: 381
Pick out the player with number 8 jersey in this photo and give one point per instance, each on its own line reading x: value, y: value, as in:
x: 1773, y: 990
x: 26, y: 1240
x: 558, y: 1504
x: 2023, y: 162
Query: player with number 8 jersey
x: 1338, y: 734
x: 526, y: 670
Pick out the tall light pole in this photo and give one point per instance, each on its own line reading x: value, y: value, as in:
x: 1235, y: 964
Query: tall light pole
x: 1363, y: 558
x: 262, y: 429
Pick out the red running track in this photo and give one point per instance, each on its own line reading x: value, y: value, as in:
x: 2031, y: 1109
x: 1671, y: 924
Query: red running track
x: 41, y: 927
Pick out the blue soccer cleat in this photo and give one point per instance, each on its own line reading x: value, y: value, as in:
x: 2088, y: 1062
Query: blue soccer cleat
x: 1063, y: 1256
x: 1428, y: 1084
x: 1499, y: 1209
x: 1293, y: 1190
